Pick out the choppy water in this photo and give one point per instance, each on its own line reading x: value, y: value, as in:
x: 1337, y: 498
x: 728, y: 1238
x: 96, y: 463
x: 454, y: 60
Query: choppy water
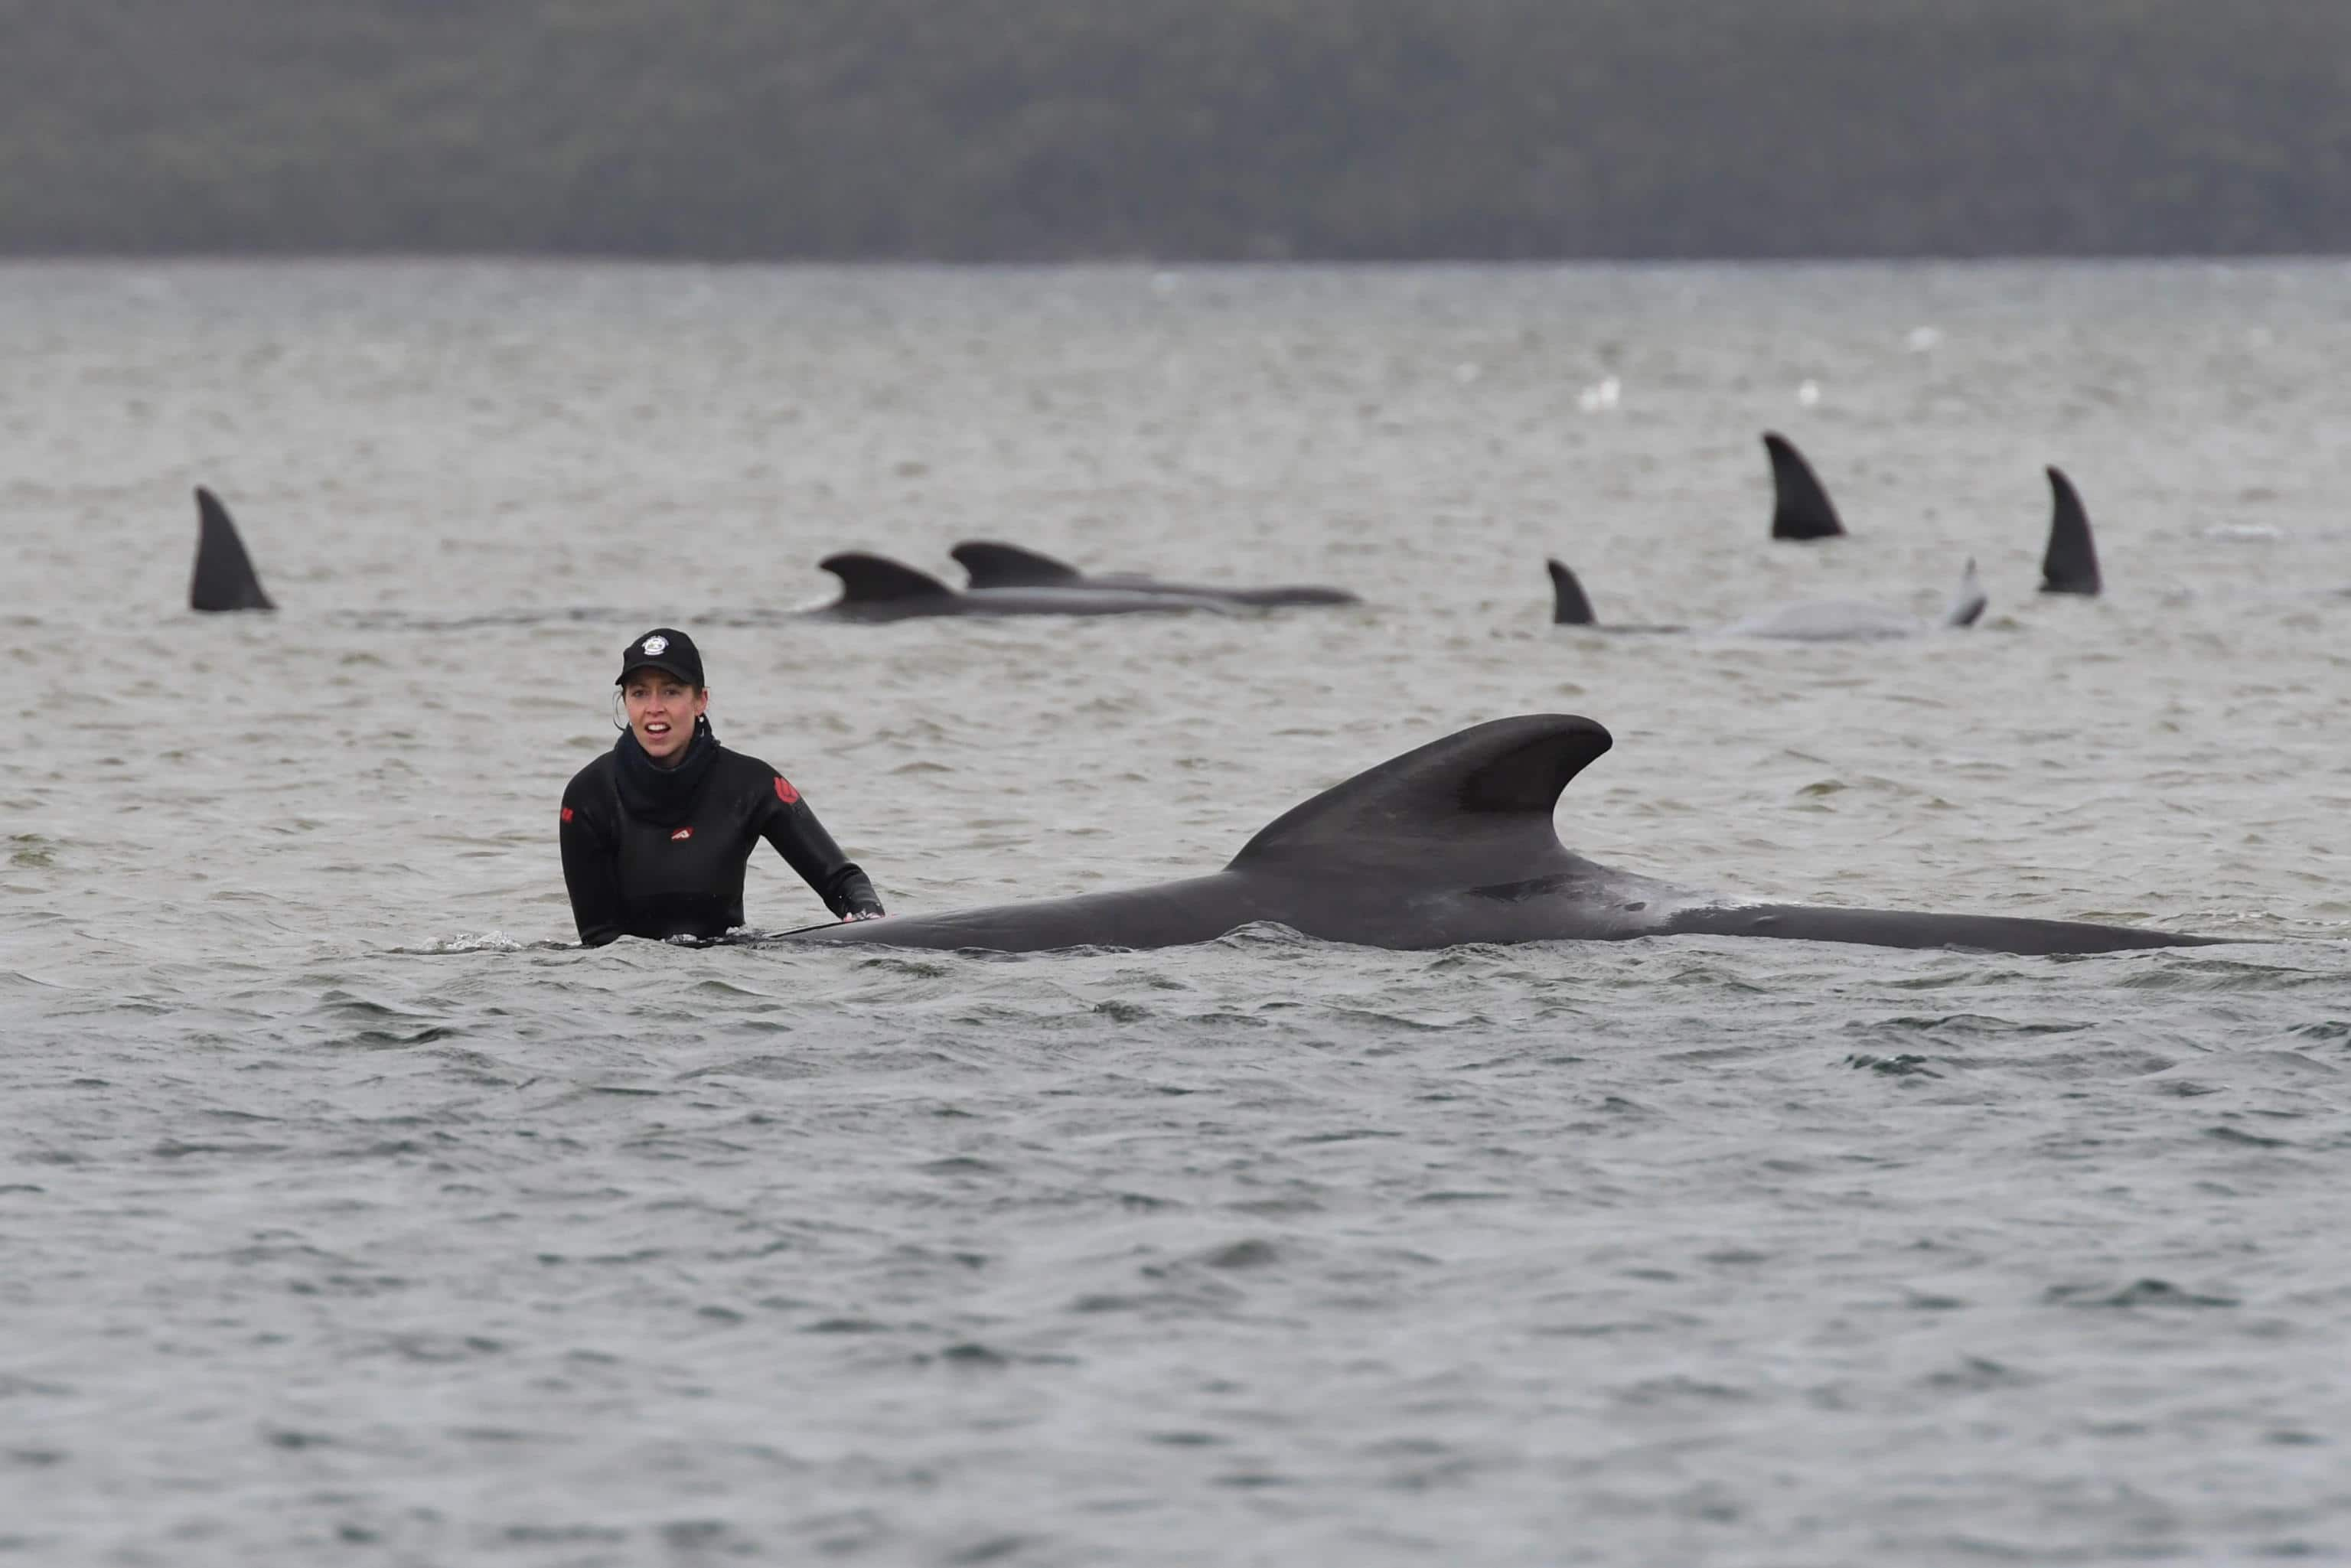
x: 346, y: 1217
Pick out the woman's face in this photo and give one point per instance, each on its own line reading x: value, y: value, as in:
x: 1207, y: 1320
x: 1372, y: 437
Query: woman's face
x: 661, y: 710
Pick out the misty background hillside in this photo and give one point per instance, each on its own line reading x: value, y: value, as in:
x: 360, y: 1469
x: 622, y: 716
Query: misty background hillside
x: 1031, y: 129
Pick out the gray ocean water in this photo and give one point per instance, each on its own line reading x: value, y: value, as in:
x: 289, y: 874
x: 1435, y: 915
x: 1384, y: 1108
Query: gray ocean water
x: 348, y: 1215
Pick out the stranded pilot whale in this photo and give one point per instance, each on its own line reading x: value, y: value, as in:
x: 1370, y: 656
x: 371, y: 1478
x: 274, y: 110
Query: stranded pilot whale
x: 1800, y: 506
x: 224, y: 578
x: 2070, y: 564
x: 992, y: 564
x: 875, y: 588
x: 1811, y: 621
x: 1450, y: 843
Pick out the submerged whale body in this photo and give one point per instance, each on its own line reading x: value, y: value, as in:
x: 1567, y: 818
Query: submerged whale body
x: 224, y: 578
x: 2070, y: 564
x: 992, y: 565
x: 1857, y: 620
x: 1800, y: 506
x: 1451, y: 843
x: 1571, y: 606
x: 875, y: 588
x: 1812, y: 620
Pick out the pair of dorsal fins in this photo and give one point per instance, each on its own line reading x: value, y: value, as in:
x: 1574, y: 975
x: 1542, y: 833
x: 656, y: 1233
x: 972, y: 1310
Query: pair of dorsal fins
x: 868, y: 579
x: 1801, y: 509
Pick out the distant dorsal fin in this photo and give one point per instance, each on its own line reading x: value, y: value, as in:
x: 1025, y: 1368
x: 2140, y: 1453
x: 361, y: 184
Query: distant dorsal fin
x: 1478, y: 802
x: 224, y: 578
x: 871, y: 579
x: 1800, y: 508
x: 1569, y: 607
x: 1968, y: 600
x: 995, y: 565
x: 2071, y: 563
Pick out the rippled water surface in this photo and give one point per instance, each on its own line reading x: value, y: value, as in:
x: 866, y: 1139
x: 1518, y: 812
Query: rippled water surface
x: 348, y: 1215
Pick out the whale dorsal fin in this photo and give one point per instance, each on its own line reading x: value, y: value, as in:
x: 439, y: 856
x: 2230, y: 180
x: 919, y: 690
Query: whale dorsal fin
x: 873, y: 579
x: 1968, y: 600
x: 2071, y: 562
x: 1569, y: 607
x: 1800, y: 508
x: 1480, y: 801
x: 995, y: 565
x: 224, y: 578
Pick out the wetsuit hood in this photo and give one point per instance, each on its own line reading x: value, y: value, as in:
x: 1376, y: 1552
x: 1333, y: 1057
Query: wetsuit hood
x: 663, y: 796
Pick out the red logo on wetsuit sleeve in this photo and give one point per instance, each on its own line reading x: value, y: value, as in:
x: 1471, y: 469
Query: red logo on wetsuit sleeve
x: 785, y: 792
x: 567, y: 813
x: 681, y: 835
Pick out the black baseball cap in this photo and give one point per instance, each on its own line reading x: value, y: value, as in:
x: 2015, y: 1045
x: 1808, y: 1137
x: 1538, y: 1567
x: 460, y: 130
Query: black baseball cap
x: 664, y: 648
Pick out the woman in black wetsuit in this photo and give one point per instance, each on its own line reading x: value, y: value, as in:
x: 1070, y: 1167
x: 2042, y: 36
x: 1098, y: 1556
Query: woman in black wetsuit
x: 657, y: 830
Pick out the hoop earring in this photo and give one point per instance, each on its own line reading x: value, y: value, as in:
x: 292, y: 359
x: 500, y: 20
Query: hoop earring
x: 619, y: 715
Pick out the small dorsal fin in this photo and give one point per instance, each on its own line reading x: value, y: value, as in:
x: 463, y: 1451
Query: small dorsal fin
x: 1968, y: 600
x: 871, y: 579
x: 1569, y: 607
x: 224, y: 578
x: 2071, y: 563
x: 1800, y: 508
x: 995, y: 565
x: 1478, y: 801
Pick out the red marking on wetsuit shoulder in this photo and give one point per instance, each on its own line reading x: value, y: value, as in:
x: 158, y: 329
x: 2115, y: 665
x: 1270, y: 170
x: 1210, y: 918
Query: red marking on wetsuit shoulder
x: 567, y: 813
x: 682, y: 833
x: 785, y: 792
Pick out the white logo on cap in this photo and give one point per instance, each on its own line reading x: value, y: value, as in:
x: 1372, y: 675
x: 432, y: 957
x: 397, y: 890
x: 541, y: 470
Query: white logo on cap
x: 655, y: 644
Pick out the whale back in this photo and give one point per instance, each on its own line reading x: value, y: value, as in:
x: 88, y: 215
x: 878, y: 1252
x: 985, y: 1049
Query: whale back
x: 1800, y: 506
x: 1450, y: 843
x: 877, y: 579
x: 993, y: 564
x: 224, y: 578
x: 1569, y: 607
x: 1475, y: 806
x: 2071, y: 563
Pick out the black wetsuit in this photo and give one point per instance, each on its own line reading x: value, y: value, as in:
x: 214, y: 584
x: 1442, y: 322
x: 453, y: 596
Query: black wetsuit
x: 652, y: 852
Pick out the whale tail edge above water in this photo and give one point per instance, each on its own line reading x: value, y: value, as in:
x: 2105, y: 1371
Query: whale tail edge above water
x: 1968, y: 601
x: 1801, y: 508
x: 2070, y: 565
x: 224, y: 578
x: 991, y: 563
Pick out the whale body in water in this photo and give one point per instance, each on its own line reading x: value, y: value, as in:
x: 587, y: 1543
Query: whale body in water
x: 992, y: 565
x: 876, y: 588
x: 1809, y: 620
x: 1450, y: 843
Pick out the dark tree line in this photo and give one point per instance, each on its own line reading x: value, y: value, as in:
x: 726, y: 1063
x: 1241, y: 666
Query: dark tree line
x: 1203, y: 129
